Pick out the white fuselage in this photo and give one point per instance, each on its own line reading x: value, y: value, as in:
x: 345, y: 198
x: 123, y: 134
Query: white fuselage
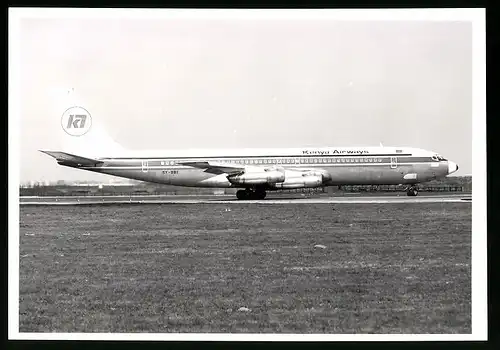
x: 335, y: 166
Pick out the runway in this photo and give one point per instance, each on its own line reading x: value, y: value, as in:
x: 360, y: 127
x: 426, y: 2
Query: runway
x: 230, y: 199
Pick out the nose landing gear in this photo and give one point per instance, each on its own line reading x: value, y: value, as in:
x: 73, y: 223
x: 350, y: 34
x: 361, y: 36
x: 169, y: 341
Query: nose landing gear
x: 411, y: 191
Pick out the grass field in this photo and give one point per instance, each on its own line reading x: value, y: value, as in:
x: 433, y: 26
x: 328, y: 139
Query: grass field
x: 384, y: 268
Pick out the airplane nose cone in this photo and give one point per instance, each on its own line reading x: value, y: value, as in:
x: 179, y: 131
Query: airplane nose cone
x: 452, y: 167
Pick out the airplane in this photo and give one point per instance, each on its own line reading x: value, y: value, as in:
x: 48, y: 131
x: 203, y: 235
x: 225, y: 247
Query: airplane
x: 257, y: 171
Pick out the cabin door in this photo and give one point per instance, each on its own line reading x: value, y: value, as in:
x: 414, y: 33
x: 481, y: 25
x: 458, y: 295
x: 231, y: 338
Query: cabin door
x: 145, y: 166
x: 394, y: 162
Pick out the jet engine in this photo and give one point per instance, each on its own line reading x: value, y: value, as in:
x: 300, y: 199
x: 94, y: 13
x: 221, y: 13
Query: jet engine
x: 258, y: 178
x: 301, y: 182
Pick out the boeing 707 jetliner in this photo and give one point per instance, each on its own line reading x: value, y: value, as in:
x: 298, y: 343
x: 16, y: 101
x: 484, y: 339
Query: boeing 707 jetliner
x: 254, y: 171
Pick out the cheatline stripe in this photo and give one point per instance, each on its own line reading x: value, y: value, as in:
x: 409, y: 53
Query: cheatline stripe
x: 242, y: 168
x: 266, y: 156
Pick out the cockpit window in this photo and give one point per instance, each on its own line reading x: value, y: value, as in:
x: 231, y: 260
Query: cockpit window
x: 438, y: 157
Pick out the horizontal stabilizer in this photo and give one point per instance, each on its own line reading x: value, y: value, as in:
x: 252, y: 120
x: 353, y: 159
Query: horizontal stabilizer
x: 71, y: 159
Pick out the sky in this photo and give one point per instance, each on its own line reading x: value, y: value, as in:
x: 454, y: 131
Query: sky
x: 201, y: 83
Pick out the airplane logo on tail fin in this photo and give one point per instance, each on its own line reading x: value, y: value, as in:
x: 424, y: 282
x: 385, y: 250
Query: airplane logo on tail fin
x: 76, y: 121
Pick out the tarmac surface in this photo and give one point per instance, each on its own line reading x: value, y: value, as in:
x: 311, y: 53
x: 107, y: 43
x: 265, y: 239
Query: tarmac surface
x: 227, y: 199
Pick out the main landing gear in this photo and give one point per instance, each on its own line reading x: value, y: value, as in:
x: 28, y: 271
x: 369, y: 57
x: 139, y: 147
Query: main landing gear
x: 250, y: 194
x: 411, y: 191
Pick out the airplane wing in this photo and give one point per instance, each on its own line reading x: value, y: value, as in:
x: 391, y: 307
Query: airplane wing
x: 215, y: 168
x: 71, y: 159
x: 230, y: 169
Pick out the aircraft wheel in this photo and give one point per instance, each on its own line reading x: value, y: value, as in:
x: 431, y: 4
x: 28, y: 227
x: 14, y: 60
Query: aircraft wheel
x: 260, y: 195
x: 412, y: 191
x: 241, y: 195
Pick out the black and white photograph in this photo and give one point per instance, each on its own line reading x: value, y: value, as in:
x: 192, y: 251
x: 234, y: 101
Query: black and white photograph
x: 188, y: 174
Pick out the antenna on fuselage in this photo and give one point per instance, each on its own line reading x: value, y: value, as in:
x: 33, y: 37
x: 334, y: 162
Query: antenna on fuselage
x: 381, y: 145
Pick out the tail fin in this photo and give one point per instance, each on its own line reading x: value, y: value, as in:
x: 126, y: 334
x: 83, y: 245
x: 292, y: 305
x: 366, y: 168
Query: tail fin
x: 82, y: 128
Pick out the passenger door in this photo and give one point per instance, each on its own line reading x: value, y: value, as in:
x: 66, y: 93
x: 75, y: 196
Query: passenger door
x: 394, y: 162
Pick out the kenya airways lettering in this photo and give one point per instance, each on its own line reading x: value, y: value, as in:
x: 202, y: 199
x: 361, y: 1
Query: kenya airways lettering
x: 335, y: 151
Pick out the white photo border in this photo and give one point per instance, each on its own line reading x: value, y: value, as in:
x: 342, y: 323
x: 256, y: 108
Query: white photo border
x: 479, y: 232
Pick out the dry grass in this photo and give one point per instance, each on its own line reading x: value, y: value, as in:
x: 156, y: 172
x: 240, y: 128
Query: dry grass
x: 386, y: 268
